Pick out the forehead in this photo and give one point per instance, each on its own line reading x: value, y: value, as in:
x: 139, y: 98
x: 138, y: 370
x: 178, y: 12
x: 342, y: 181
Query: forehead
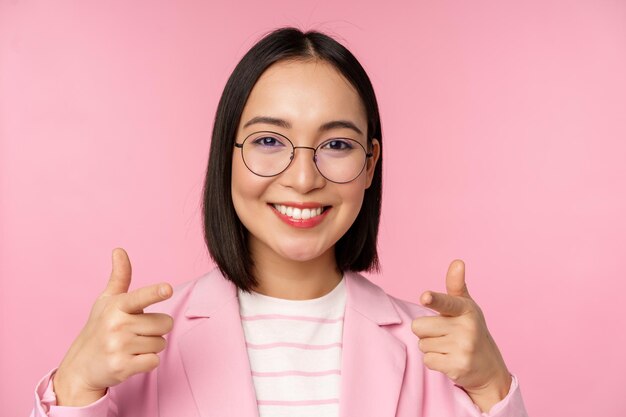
x: 306, y: 93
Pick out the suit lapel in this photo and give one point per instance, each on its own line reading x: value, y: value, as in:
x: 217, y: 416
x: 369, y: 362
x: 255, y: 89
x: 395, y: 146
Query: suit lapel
x: 373, y: 361
x: 214, y: 352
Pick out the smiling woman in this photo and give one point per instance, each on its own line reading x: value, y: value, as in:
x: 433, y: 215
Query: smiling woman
x: 310, y: 89
x: 286, y: 325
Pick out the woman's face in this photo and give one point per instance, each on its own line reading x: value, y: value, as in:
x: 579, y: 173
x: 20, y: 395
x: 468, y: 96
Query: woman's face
x: 305, y: 95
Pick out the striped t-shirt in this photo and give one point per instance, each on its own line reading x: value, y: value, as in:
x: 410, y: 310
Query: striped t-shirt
x: 294, y: 348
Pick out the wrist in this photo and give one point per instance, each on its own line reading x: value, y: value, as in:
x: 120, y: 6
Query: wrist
x: 492, y: 392
x: 70, y: 392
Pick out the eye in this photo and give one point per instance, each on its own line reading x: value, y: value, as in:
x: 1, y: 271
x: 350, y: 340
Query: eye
x: 338, y: 145
x: 268, y: 141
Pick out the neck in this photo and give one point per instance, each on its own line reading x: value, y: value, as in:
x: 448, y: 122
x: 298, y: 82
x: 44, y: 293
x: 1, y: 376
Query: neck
x: 294, y: 280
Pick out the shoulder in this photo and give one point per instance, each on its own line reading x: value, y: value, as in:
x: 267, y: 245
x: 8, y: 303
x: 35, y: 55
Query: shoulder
x: 208, y: 289
x: 392, y: 314
x: 408, y: 308
x: 376, y: 294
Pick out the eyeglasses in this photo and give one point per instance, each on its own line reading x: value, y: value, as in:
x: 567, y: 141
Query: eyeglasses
x: 268, y: 154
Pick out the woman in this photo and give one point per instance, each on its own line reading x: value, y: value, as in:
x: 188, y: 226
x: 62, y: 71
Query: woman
x: 285, y: 325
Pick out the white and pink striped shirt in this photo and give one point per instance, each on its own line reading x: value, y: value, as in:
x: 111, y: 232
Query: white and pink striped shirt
x: 294, y: 347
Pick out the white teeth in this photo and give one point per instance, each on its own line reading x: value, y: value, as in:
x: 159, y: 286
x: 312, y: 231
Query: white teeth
x: 298, y: 214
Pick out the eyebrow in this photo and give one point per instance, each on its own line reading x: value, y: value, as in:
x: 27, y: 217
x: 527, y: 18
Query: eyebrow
x: 335, y: 124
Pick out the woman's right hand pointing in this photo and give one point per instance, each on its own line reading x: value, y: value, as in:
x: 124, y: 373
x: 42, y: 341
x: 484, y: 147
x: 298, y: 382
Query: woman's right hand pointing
x: 119, y: 340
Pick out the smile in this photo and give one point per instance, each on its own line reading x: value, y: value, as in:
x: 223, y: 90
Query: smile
x: 300, y: 215
x: 297, y: 213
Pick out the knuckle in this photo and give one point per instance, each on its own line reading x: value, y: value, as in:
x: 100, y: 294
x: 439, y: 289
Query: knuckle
x: 162, y: 344
x: 114, y: 324
x: 420, y: 345
x: 117, y: 366
x: 113, y: 345
x: 153, y: 361
x: 169, y: 323
x: 465, y: 365
x: 428, y: 362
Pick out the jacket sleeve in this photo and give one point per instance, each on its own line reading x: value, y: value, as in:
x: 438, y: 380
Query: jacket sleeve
x: 511, y: 405
x: 45, y: 403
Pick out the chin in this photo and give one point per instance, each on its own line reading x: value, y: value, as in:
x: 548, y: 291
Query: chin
x: 300, y: 255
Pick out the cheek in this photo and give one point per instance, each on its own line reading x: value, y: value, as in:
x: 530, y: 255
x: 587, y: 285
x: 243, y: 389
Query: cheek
x: 355, y: 197
x: 352, y: 199
x: 242, y: 181
x: 356, y: 192
x: 246, y: 189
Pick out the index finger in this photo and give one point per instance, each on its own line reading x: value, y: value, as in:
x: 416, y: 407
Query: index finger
x: 446, y: 305
x: 135, y: 301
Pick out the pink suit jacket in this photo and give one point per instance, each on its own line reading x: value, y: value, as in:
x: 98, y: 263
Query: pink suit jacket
x: 205, y: 371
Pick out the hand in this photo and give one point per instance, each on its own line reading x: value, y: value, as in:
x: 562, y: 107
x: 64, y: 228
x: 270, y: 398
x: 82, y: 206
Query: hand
x: 118, y: 340
x: 458, y: 344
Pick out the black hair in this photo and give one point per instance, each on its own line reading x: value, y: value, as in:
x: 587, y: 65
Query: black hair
x: 225, y: 236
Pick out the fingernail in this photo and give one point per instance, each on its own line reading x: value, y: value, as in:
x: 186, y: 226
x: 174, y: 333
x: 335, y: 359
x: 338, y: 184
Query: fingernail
x: 428, y: 298
x: 163, y: 291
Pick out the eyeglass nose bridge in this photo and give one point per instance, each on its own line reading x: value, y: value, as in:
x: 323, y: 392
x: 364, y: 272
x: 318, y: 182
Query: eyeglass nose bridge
x: 293, y: 153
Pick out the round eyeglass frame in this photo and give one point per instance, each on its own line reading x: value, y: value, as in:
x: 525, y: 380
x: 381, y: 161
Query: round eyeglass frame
x: 293, y: 152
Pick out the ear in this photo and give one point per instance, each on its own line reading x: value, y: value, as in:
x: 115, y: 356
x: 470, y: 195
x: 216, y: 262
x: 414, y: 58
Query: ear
x: 372, y: 161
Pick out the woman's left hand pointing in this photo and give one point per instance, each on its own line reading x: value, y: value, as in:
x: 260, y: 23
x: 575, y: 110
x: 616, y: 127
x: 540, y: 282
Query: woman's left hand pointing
x: 458, y: 344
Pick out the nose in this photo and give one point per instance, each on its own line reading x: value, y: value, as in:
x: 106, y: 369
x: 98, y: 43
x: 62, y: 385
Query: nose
x: 302, y: 174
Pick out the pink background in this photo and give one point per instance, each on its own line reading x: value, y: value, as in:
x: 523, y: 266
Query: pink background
x: 504, y: 127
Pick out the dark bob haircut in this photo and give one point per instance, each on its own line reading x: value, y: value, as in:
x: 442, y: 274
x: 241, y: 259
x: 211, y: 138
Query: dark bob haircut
x: 225, y: 236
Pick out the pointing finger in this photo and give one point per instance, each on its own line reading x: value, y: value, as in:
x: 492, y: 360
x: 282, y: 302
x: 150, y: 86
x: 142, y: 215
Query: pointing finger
x: 119, y: 281
x: 455, y: 279
x: 446, y: 305
x: 134, y: 302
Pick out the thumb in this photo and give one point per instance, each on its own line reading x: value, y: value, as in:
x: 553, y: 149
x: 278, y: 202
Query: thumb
x: 455, y: 279
x: 119, y: 282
